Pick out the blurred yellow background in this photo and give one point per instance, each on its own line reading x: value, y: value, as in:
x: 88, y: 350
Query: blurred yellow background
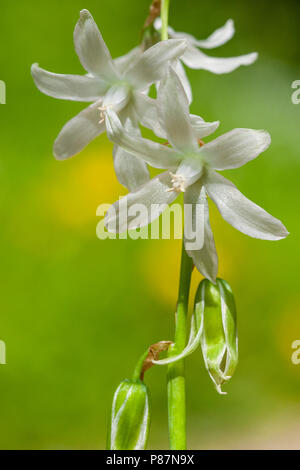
x: 77, y: 312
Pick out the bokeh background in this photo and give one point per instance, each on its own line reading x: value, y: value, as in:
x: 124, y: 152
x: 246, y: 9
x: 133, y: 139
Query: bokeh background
x: 77, y: 312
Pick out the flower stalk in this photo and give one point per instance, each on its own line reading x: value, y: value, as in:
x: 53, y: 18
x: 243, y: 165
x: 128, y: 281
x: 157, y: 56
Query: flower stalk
x: 148, y: 358
x: 165, y: 19
x: 176, y: 373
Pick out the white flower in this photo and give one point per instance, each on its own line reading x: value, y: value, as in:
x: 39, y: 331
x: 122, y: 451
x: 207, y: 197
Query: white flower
x: 119, y: 84
x: 194, y: 58
x: 191, y: 169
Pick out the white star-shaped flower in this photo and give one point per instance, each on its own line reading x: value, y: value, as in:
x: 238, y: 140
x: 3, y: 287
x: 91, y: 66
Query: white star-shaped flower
x: 192, y: 170
x: 118, y: 84
x: 194, y: 58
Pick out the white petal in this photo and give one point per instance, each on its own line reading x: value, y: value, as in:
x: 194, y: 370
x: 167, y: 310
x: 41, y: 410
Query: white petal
x: 235, y: 148
x: 240, y: 212
x: 124, y: 61
x: 146, y: 110
x: 173, y: 113
x: 190, y: 169
x: 206, y: 258
x: 174, y: 34
x: 218, y: 37
x: 78, y: 132
x: 152, y: 198
x: 157, y: 155
x: 91, y: 48
x: 68, y: 87
x: 116, y: 98
x: 131, y: 171
x: 195, y: 59
x: 149, y: 67
x: 202, y: 128
x: 184, y: 79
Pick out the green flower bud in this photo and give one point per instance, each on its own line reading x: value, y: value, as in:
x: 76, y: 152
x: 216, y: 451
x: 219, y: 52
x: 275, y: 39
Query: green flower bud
x: 215, y: 309
x: 130, y: 417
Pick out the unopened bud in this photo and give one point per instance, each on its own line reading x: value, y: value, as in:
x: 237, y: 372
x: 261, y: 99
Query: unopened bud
x: 216, y: 305
x: 130, y: 417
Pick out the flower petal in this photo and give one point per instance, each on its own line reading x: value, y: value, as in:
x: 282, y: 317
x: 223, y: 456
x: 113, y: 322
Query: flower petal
x: 131, y: 171
x: 218, y: 37
x: 157, y: 155
x: 149, y: 67
x: 179, y: 69
x: 79, y: 132
x: 146, y: 111
x: 201, y: 127
x: 195, y: 59
x: 205, y: 258
x: 150, y: 200
x: 173, y: 113
x: 190, y: 169
x: 116, y: 97
x: 240, y: 212
x: 235, y: 148
x: 91, y: 48
x: 68, y: 87
x: 124, y: 61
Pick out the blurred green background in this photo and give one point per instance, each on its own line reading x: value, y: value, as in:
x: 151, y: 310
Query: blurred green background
x: 76, y: 312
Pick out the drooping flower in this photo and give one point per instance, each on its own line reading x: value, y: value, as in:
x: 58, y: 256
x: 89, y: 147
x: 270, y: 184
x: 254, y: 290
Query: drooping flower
x: 194, y: 58
x: 118, y: 84
x: 214, y: 327
x: 192, y: 170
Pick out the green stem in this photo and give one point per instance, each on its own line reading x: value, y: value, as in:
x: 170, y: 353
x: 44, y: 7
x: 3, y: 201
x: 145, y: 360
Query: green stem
x: 176, y: 374
x: 139, y: 366
x: 165, y: 19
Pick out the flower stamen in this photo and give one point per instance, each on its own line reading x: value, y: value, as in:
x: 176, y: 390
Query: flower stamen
x: 103, y: 110
x: 178, y: 183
